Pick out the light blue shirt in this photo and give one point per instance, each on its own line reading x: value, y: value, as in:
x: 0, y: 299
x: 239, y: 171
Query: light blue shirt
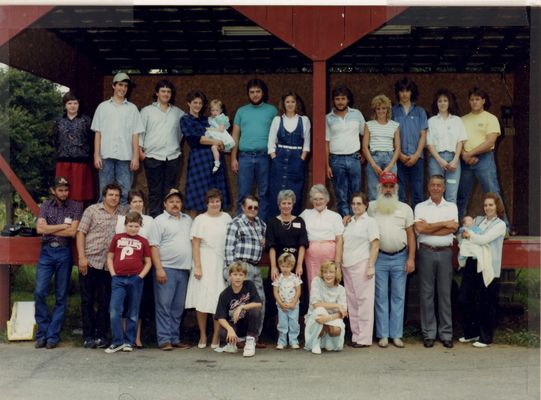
x: 411, y: 125
x: 254, y: 122
x: 162, y: 135
x: 117, y: 123
x: 172, y: 238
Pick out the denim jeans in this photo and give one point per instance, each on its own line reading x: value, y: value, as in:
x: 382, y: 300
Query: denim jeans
x: 382, y: 159
x: 254, y: 166
x: 452, y: 179
x: 126, y: 289
x: 390, y: 323
x: 161, y: 177
x: 346, y: 171
x: 116, y: 171
x: 485, y: 172
x: 169, y: 299
x: 288, y: 325
x: 411, y: 178
x: 57, y: 262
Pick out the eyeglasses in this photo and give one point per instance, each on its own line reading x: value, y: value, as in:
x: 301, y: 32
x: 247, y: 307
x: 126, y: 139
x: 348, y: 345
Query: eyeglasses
x: 253, y: 208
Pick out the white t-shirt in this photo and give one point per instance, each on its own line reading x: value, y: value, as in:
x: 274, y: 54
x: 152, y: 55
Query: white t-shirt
x: 343, y: 133
x: 392, y: 227
x: 445, y: 133
x: 357, y: 237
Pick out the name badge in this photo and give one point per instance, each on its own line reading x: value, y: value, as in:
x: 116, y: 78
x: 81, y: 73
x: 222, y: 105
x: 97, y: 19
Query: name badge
x: 67, y: 220
x: 296, y: 225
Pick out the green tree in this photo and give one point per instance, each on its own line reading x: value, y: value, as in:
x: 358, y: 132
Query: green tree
x: 29, y: 106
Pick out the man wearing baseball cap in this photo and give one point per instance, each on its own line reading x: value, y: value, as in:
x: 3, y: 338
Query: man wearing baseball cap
x: 117, y: 125
x: 57, y: 221
x: 396, y: 259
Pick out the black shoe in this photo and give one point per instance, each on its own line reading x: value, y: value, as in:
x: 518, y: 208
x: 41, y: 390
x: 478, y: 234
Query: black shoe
x: 89, y: 343
x: 428, y: 342
x: 40, y: 344
x: 101, y: 343
x: 51, y: 345
x: 358, y: 345
x: 447, y: 343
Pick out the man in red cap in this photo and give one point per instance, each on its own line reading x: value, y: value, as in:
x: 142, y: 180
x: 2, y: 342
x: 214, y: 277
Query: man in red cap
x: 396, y: 258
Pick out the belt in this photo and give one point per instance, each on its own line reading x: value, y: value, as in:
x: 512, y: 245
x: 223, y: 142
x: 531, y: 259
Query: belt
x: 251, y: 262
x: 435, y: 248
x: 395, y: 253
x: 254, y: 153
x: 55, y: 245
x: 345, y: 155
x: 285, y: 146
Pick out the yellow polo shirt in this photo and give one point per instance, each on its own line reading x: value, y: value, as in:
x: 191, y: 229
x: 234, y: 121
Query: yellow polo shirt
x: 478, y: 126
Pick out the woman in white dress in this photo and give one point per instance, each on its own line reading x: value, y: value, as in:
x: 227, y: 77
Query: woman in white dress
x: 136, y: 201
x: 206, y: 279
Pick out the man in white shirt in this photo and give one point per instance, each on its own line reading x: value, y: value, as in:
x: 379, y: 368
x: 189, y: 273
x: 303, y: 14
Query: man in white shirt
x: 396, y: 259
x: 159, y: 145
x: 435, y: 221
x: 117, y: 124
x: 344, y: 127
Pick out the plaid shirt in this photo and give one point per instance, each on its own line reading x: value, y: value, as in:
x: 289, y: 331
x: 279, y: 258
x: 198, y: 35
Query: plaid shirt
x: 55, y: 214
x: 99, y: 227
x: 244, y: 240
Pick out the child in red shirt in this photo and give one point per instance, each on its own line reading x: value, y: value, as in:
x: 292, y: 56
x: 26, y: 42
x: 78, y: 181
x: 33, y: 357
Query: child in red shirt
x: 128, y: 262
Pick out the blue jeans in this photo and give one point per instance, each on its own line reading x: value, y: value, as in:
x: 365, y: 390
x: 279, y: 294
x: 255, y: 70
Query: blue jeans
x: 390, y: 323
x: 116, y: 171
x: 169, y: 298
x: 346, y: 171
x: 130, y: 289
x: 485, y: 172
x: 288, y: 326
x: 254, y: 166
x: 452, y: 179
x: 411, y: 178
x: 382, y: 159
x: 57, y: 262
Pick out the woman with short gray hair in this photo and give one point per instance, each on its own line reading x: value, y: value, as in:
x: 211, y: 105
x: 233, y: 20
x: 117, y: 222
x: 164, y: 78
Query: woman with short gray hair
x: 325, y: 231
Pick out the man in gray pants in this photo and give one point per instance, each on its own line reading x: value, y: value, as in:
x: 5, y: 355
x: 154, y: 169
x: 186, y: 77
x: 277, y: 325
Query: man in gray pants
x: 435, y: 221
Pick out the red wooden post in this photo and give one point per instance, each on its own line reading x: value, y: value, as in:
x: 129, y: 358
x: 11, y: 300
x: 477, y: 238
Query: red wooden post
x: 319, y: 88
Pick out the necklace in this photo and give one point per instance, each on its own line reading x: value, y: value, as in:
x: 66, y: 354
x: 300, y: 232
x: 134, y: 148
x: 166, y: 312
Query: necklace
x: 286, y: 224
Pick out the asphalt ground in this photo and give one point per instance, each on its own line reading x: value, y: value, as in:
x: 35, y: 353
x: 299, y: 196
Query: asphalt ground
x: 67, y: 372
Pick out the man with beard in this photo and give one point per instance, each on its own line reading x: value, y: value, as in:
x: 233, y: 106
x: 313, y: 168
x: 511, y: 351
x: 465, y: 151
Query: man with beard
x: 396, y: 259
x: 344, y: 126
x: 58, y: 221
x: 249, y: 158
x: 435, y: 221
x: 171, y: 251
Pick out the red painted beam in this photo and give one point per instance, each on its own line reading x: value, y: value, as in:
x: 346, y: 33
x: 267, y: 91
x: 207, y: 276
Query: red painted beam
x: 13, y: 19
x: 18, y: 186
x: 319, y: 89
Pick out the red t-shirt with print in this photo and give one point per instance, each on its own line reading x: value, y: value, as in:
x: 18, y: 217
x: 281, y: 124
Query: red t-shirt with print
x: 130, y: 253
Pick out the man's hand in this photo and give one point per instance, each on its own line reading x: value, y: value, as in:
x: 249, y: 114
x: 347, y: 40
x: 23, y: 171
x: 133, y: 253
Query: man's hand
x: 161, y: 276
x: 404, y: 158
x: 410, y: 266
x: 329, y: 173
x: 83, y: 265
x: 231, y: 336
x: 134, y: 164
x: 198, y: 273
x: 234, y: 166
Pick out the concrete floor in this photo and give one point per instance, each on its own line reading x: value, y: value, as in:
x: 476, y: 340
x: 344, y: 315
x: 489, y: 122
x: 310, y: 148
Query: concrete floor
x: 499, y: 372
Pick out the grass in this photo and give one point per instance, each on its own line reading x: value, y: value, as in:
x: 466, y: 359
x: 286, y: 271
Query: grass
x: 514, y: 328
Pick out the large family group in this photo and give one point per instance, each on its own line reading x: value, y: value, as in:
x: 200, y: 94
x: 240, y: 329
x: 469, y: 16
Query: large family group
x: 133, y: 265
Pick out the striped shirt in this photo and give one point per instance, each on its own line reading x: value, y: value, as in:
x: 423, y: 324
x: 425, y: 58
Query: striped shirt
x: 244, y: 240
x: 99, y: 227
x: 382, y: 136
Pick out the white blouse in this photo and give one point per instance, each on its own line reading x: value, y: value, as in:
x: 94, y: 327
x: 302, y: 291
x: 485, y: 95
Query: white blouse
x: 290, y: 124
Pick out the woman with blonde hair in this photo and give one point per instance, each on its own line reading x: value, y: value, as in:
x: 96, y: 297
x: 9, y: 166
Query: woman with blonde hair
x: 381, y: 143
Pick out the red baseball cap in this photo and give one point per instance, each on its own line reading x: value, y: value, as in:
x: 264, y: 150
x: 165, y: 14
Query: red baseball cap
x: 388, y: 177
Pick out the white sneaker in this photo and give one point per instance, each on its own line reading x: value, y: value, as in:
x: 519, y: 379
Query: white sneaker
x: 249, y: 347
x: 228, y: 348
x: 127, y: 348
x: 295, y: 346
x: 316, y: 349
x: 114, y: 348
x: 279, y: 346
x: 468, y: 340
x: 479, y: 345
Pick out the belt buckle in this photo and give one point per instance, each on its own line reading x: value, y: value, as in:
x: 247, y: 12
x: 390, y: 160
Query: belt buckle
x: 54, y: 245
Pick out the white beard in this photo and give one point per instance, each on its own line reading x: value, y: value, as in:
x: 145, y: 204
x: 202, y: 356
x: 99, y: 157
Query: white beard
x: 386, y: 205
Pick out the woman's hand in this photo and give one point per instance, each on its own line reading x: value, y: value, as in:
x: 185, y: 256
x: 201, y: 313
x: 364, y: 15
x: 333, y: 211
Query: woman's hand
x: 323, y: 319
x: 377, y: 169
x: 198, y: 273
x: 452, y: 165
x: 274, y: 273
x: 343, y: 312
x: 443, y: 164
x: 370, y: 271
x: 298, y: 271
x: 272, y: 155
x: 466, y: 234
